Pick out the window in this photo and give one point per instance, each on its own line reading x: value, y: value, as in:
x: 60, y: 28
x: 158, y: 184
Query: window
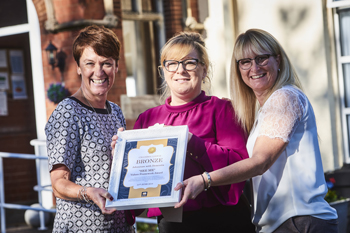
x: 337, y: 3
x: 342, y: 34
x: 143, y: 34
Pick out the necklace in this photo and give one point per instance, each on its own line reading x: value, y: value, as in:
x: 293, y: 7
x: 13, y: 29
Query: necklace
x: 108, y: 115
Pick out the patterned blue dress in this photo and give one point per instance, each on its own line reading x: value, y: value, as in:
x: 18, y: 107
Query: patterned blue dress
x: 80, y: 138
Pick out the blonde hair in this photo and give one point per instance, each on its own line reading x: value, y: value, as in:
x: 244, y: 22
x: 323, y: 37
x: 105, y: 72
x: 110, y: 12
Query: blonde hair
x: 179, y: 46
x: 243, y: 99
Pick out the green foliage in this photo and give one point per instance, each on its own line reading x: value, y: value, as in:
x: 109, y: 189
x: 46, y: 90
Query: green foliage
x: 332, y: 196
x: 147, y: 228
x: 57, y: 92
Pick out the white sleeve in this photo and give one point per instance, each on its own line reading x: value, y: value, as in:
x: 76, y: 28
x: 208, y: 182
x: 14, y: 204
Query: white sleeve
x: 280, y: 114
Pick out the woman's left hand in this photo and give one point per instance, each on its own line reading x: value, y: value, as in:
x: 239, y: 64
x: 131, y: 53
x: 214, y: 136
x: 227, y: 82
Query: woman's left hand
x: 189, y: 137
x: 99, y: 196
x: 114, y: 140
x: 191, y: 188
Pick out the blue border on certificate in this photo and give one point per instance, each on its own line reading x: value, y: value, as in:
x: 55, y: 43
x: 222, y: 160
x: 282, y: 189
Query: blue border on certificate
x: 166, y: 189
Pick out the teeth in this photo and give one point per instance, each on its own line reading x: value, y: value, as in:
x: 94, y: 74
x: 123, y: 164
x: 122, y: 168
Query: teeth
x: 98, y: 81
x: 257, y: 76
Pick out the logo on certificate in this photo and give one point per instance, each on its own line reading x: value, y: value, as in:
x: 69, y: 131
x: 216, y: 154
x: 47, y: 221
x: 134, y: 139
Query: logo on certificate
x: 144, y: 194
x: 151, y: 150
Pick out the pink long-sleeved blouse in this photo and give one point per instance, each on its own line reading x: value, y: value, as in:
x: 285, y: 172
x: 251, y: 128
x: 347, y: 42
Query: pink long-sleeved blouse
x: 217, y: 142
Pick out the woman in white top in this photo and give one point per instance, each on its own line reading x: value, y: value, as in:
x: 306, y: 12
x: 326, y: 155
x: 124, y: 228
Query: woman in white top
x: 284, y: 157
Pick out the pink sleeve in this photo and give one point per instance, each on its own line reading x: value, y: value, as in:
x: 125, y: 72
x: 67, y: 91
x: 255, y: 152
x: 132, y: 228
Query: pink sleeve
x: 230, y: 148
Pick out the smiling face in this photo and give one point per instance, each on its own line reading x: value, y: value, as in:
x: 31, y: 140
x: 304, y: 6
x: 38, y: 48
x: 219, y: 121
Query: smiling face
x: 97, y: 74
x: 261, y: 78
x: 185, y: 85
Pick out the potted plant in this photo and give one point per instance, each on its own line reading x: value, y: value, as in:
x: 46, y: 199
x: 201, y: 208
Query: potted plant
x: 339, y: 203
x: 57, y: 92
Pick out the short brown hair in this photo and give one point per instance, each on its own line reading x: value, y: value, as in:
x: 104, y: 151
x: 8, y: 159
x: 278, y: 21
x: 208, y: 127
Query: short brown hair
x: 103, y: 41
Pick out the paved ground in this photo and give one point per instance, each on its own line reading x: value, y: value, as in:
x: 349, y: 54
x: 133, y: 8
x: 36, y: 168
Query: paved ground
x: 25, y: 229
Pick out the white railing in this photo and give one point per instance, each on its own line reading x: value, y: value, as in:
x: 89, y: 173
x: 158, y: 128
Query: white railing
x: 38, y: 188
x: 145, y: 220
x: 38, y: 146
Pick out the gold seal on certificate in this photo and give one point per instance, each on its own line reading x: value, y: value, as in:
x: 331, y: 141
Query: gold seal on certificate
x: 151, y: 150
x: 147, y: 165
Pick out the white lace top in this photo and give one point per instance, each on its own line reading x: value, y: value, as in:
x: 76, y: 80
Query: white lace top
x: 294, y: 185
x: 280, y: 113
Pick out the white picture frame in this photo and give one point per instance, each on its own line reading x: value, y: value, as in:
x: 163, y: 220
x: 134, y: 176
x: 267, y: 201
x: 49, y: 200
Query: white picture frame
x: 147, y: 165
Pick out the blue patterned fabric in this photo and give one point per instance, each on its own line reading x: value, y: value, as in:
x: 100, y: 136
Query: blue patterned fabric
x: 80, y: 138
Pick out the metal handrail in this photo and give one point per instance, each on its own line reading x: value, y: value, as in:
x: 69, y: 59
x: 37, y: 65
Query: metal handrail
x: 36, y: 143
x: 4, y: 205
x: 146, y: 220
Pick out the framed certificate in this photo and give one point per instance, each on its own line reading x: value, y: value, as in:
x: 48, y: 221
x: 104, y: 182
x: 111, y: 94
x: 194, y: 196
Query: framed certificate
x: 147, y: 165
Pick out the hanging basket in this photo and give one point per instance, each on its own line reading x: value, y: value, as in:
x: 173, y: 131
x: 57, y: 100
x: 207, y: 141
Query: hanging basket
x: 57, y: 92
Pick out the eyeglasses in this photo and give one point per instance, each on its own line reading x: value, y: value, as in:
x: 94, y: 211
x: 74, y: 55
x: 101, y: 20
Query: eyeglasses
x: 260, y: 60
x: 188, y: 64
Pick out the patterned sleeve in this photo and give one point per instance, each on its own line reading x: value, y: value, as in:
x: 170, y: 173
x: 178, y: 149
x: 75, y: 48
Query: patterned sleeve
x: 63, y: 135
x: 120, y: 117
x: 280, y: 114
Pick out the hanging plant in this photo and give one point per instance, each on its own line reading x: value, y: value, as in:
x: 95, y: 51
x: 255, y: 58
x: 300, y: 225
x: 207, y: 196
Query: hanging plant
x: 332, y: 195
x: 57, y: 92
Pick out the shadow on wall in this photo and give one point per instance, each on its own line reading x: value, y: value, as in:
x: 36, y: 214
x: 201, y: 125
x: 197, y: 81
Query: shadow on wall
x: 307, y: 43
x: 309, y: 64
x: 292, y: 18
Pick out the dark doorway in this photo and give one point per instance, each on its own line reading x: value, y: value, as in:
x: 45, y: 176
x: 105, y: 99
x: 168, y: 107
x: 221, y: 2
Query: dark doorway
x: 18, y: 128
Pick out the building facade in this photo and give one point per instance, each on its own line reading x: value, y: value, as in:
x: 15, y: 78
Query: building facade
x: 314, y: 34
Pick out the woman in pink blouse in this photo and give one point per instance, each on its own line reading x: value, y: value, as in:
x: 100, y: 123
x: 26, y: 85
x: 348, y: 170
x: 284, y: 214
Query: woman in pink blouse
x: 216, y: 140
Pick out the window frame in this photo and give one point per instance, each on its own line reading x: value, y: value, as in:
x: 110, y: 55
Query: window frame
x: 139, y: 17
x: 341, y: 60
x: 334, y: 4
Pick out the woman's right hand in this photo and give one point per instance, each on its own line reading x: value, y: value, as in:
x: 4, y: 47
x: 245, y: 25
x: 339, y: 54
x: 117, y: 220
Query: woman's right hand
x: 99, y: 196
x: 65, y: 189
x: 192, y: 187
x: 114, y: 140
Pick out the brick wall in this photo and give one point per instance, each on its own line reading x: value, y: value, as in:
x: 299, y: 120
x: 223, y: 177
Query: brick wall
x: 20, y: 175
x: 18, y: 129
x: 66, y: 11
x: 172, y: 17
x: 194, y: 9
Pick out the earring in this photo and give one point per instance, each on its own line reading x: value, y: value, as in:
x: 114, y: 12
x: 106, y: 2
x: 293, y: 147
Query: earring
x: 203, y: 81
x: 279, y: 70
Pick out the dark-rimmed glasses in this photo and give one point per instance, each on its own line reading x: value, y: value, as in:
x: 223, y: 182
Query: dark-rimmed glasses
x: 188, y: 64
x: 260, y: 60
